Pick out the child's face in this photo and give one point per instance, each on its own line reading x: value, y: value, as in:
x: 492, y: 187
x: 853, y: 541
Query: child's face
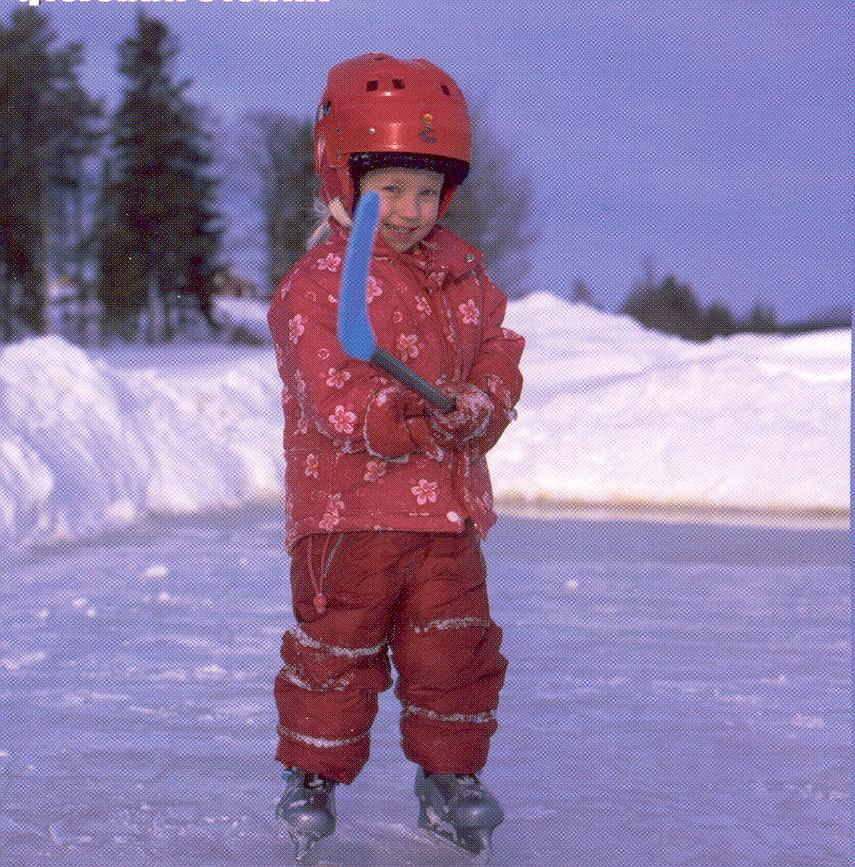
x: 409, y: 203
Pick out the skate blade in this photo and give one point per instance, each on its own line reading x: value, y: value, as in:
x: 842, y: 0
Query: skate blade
x: 477, y: 845
x: 304, y: 854
x: 303, y: 841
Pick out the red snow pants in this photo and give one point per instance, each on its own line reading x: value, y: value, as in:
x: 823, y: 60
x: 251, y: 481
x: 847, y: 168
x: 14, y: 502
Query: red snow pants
x: 424, y: 595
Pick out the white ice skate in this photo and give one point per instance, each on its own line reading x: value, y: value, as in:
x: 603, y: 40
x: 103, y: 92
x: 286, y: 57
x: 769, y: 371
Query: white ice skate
x: 306, y: 810
x: 459, y: 808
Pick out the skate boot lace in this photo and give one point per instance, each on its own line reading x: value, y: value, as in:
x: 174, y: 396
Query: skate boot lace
x: 317, y: 783
x: 468, y: 781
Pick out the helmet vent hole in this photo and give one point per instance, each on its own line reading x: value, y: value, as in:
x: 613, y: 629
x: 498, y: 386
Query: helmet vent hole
x: 398, y: 83
x: 445, y: 89
x: 372, y: 85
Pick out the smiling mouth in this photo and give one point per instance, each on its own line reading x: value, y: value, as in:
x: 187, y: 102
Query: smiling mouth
x: 400, y: 230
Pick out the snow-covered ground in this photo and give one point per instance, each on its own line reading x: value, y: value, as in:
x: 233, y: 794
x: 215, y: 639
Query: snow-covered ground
x: 611, y: 414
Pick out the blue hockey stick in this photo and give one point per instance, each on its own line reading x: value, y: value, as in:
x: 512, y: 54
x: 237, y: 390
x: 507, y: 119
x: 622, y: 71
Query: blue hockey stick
x: 354, y: 327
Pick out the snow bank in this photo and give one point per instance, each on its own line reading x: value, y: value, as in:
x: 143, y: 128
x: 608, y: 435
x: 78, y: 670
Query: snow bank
x: 85, y: 446
x: 614, y: 413
x: 611, y: 414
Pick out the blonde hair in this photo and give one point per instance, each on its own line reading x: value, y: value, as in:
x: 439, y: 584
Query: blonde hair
x: 333, y: 211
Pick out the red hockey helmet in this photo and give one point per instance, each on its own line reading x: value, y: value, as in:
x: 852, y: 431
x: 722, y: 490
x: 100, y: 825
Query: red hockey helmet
x: 377, y: 112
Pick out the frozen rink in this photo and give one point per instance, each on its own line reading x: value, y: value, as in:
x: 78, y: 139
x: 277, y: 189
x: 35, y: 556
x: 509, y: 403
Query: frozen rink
x: 678, y: 694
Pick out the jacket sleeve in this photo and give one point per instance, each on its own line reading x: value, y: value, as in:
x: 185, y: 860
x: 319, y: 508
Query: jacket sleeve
x: 342, y: 397
x: 496, y: 368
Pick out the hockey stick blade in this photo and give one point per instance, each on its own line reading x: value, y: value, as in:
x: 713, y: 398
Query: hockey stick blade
x: 354, y: 327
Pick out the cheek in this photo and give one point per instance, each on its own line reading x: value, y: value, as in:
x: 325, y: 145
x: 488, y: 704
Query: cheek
x: 385, y: 206
x: 431, y: 211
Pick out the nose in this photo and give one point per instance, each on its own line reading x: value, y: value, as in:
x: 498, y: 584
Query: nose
x: 408, y: 208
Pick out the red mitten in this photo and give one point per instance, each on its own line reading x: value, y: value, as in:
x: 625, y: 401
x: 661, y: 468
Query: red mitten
x: 395, y: 425
x: 467, y: 420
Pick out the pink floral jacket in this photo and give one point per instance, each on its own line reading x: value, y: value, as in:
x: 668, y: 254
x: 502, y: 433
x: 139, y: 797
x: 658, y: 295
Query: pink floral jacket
x: 436, y: 309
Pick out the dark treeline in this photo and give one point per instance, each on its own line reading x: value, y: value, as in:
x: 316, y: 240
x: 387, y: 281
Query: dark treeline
x: 112, y: 226
x: 671, y: 306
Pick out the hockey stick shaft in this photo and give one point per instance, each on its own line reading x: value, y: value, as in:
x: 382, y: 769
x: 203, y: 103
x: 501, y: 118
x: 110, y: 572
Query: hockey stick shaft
x: 410, y: 378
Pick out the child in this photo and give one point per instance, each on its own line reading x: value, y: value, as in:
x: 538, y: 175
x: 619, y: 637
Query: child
x: 386, y: 496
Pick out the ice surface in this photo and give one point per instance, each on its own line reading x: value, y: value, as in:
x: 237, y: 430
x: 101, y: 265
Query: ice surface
x: 611, y: 414
x: 676, y: 695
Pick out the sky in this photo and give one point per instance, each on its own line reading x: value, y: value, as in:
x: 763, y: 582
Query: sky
x: 612, y: 415
x: 711, y: 141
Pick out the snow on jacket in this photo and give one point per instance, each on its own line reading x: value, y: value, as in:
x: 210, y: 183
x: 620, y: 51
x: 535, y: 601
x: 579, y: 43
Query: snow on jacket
x: 435, y: 309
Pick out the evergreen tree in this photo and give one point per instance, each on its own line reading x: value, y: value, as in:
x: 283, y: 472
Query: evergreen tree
x: 47, y: 129
x: 581, y: 293
x: 719, y: 321
x: 205, y: 227
x: 762, y: 320
x: 668, y: 306
x: 160, y: 225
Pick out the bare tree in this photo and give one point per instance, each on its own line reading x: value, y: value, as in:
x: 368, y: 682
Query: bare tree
x: 492, y: 210
x: 277, y: 151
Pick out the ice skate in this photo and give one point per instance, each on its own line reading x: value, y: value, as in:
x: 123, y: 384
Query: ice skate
x: 306, y: 810
x: 459, y: 808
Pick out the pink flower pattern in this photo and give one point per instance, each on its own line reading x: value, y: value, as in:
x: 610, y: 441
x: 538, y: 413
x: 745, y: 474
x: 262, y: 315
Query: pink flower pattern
x: 300, y: 382
x: 337, y: 378
x: 425, y: 491
x: 374, y: 471
x: 373, y: 290
x: 330, y: 262
x: 332, y: 515
x: 296, y: 328
x: 342, y: 420
x: 408, y: 345
x: 470, y: 312
x: 326, y: 450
